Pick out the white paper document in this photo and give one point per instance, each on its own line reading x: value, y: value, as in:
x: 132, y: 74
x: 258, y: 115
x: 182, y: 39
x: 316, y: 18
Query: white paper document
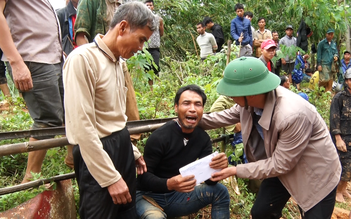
x: 200, y: 169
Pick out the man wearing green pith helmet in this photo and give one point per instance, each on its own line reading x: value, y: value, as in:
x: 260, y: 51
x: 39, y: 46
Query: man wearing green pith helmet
x: 287, y: 143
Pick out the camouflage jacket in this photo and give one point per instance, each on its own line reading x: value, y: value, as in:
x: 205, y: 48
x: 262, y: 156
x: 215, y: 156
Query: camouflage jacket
x: 340, y: 113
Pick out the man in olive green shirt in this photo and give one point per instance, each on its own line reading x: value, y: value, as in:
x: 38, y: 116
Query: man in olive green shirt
x: 327, y: 54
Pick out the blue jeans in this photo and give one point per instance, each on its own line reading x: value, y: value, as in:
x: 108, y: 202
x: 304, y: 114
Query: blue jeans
x: 176, y: 204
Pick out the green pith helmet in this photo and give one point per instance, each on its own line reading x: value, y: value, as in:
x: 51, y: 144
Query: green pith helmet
x: 247, y: 76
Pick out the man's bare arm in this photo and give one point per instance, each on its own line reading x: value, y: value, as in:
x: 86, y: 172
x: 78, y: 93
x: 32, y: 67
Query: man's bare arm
x: 81, y: 39
x: 161, y: 28
x: 21, y: 74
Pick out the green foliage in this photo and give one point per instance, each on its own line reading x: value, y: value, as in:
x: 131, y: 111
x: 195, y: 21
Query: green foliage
x: 238, y: 152
x: 181, y: 16
x: 139, y: 62
x: 12, y: 200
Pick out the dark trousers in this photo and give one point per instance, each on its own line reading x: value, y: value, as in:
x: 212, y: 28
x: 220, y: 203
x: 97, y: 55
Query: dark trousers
x: 96, y: 202
x: 155, y: 53
x: 273, y: 196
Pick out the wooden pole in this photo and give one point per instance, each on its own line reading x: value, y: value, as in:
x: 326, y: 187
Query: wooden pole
x: 197, y: 54
x: 229, y: 48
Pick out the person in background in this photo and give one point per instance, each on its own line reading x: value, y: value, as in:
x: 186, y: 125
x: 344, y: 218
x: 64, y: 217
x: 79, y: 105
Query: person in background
x: 206, y: 41
x: 268, y: 51
x: 154, y: 43
x: 327, y: 56
x: 216, y: 31
x: 284, y: 81
x: 261, y: 35
x: 240, y: 29
x: 340, y: 129
x: 278, y: 63
x: 105, y: 160
x: 249, y: 15
x: 289, y: 61
x: 307, y: 75
x: 67, y: 18
x: 345, y: 64
x: 3, y: 80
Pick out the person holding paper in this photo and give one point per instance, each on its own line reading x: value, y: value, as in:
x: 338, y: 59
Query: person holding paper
x: 287, y: 142
x: 162, y: 192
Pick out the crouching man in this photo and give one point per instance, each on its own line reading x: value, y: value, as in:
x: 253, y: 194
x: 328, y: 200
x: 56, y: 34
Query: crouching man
x: 162, y: 192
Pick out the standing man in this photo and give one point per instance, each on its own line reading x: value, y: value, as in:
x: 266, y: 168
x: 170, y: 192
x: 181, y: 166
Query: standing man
x: 345, y: 64
x: 206, y: 41
x: 172, y: 146
x: 154, y: 42
x: 268, y: 48
x: 240, y: 29
x: 289, y: 61
x: 340, y: 128
x: 31, y: 42
x: 260, y: 35
x: 95, y: 107
x: 94, y: 17
x: 278, y: 63
x: 275, y: 37
x: 287, y: 143
x: 3, y: 80
x: 327, y: 55
x: 249, y: 15
x: 216, y: 30
x: 67, y: 18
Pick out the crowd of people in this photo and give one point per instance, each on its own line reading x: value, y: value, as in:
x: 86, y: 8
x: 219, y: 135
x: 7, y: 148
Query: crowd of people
x: 70, y: 67
x: 250, y: 43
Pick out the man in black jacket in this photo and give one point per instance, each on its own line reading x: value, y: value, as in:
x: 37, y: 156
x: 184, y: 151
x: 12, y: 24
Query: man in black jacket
x: 216, y: 31
x: 162, y: 192
x: 67, y: 18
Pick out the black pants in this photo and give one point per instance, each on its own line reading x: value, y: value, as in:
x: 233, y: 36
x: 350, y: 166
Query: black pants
x: 273, y: 196
x: 96, y: 202
x: 155, y: 53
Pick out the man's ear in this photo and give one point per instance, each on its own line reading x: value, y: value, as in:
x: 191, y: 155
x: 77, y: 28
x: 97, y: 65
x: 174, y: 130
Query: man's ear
x: 176, y: 108
x: 123, y: 27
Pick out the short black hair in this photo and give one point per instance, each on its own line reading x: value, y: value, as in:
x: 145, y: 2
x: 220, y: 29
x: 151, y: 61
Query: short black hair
x: 309, y: 70
x: 238, y: 6
x: 259, y: 19
x: 207, y: 20
x: 283, y: 79
x: 200, y: 23
x: 149, y: 1
x: 274, y: 31
x: 191, y: 87
x: 248, y: 13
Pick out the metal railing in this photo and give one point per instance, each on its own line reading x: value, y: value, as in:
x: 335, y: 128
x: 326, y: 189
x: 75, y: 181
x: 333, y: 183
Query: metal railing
x: 134, y: 127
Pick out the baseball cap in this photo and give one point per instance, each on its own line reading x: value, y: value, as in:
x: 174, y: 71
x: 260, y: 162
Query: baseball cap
x: 268, y: 44
x: 289, y: 27
x: 330, y: 30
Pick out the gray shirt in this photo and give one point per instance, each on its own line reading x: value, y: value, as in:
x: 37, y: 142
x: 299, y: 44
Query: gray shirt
x: 288, y: 41
x: 35, y: 30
